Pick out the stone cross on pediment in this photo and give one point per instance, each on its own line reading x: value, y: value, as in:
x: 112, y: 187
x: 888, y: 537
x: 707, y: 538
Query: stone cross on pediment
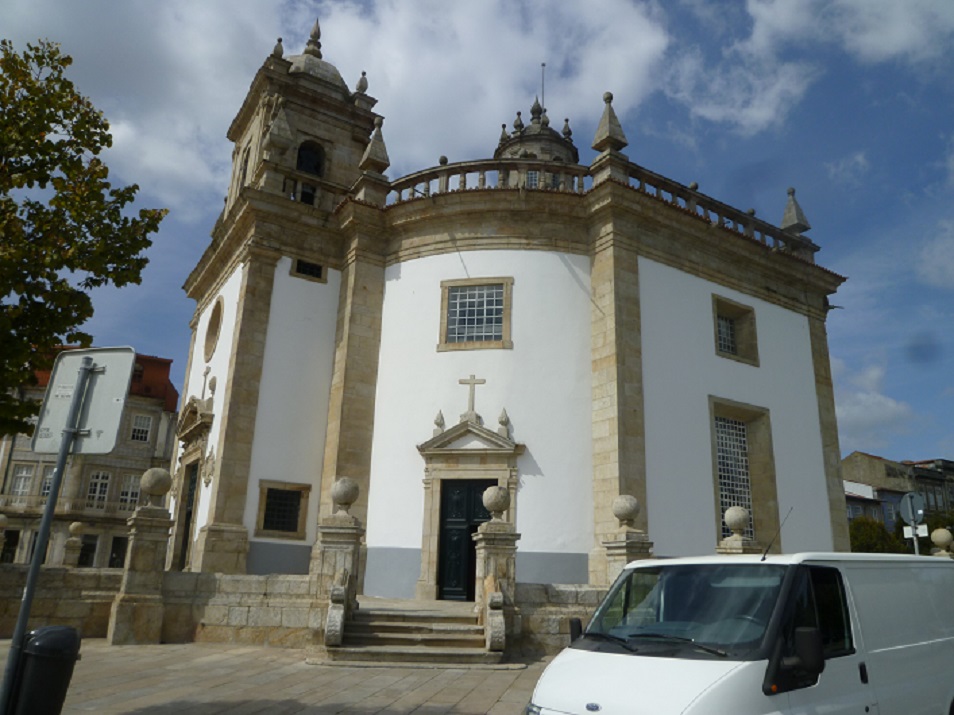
x: 471, y: 415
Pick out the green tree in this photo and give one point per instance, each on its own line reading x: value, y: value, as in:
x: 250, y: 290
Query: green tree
x: 872, y: 536
x: 64, y: 229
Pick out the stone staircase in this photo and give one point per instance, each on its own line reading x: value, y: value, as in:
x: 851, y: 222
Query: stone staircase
x: 413, y: 632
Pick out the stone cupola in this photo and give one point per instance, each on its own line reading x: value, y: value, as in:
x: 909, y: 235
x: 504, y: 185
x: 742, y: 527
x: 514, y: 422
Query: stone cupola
x: 537, y: 140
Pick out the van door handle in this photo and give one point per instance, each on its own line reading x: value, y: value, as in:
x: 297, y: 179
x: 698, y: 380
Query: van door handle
x: 863, y: 672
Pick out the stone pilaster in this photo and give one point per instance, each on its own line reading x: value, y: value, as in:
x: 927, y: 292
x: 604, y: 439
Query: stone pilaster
x: 136, y: 614
x: 222, y: 543
x: 829, y: 433
x: 619, y: 455
x: 354, y: 379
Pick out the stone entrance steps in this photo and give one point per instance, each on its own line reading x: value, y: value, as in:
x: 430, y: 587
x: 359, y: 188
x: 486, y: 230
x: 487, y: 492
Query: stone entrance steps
x: 413, y: 632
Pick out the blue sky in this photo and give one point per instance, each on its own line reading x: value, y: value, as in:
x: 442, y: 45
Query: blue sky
x: 849, y: 101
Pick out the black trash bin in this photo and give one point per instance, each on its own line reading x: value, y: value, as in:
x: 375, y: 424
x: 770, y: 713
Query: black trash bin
x: 45, y: 668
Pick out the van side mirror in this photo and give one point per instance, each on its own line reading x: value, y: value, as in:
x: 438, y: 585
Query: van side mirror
x: 576, y: 629
x: 809, y: 654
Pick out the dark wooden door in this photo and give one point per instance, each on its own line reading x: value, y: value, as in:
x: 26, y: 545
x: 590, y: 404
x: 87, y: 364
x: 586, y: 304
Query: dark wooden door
x: 191, y: 486
x: 462, y: 511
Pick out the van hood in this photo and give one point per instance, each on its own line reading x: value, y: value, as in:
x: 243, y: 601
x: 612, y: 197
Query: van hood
x: 583, y: 682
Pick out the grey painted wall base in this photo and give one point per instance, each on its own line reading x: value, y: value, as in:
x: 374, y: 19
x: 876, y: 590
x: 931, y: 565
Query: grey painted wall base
x: 267, y: 558
x: 393, y: 572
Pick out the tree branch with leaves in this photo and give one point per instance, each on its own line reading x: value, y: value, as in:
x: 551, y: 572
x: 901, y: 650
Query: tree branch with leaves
x: 64, y: 229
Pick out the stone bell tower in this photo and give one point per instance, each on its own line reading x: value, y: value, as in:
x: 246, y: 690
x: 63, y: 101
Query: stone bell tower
x: 303, y: 142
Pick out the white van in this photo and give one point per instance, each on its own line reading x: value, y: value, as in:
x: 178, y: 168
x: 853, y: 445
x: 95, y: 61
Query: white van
x: 743, y: 635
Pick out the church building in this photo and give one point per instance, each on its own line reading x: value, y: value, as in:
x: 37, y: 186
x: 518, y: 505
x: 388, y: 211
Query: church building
x: 568, y: 332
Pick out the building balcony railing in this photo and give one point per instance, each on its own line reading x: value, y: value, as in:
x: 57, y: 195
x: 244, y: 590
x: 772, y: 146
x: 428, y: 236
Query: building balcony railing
x: 34, y: 505
x: 536, y: 175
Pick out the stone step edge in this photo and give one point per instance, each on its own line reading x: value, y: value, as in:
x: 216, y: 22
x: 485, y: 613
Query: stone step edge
x: 403, y: 627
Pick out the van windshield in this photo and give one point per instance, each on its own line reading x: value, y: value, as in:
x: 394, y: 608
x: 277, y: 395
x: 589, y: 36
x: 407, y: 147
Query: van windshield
x: 714, y: 610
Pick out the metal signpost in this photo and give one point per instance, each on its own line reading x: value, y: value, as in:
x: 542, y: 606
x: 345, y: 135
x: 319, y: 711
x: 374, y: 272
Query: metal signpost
x: 81, y: 413
x: 912, y: 512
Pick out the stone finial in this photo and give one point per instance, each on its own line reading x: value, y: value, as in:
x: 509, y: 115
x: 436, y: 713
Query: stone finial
x: 504, y: 136
x: 545, y: 120
x: 278, y: 51
x: 442, y: 160
x: 504, y: 421
x: 793, y: 220
x: 609, y: 133
x: 626, y: 508
x: 376, y: 154
x: 942, y: 539
x: 496, y: 500
x: 536, y: 111
x: 344, y: 493
x: 439, y: 423
x: 518, y: 123
x: 567, y: 132
x: 362, y: 86
x: 737, y: 519
x: 155, y: 484
x: 77, y: 528
x: 313, y: 47
x: 694, y: 186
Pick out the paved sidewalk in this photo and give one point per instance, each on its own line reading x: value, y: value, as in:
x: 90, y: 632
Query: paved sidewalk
x: 203, y: 679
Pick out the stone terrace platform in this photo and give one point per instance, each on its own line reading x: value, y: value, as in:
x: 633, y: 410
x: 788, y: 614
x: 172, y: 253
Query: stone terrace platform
x: 207, y: 679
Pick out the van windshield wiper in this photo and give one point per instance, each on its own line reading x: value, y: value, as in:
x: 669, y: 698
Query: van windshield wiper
x: 682, y: 639
x: 611, y: 638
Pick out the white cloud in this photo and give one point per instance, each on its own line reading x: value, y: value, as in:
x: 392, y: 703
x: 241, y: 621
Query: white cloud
x: 881, y: 30
x: 849, y: 170
x: 868, y: 420
x: 936, y: 258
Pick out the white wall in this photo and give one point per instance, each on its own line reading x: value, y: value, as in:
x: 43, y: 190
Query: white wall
x: 218, y: 368
x: 292, y: 414
x: 543, y: 382
x: 681, y: 370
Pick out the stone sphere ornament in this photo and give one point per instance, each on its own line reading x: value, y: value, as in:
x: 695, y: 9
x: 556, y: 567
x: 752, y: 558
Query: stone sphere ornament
x: 496, y: 501
x: 737, y: 518
x: 344, y: 493
x: 625, y: 508
x: 942, y: 539
x: 76, y: 529
x: 155, y: 484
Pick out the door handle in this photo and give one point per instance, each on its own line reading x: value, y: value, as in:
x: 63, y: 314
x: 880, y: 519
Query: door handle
x: 863, y: 672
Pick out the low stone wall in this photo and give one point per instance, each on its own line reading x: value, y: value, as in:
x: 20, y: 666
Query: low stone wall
x: 541, y: 624
x: 276, y: 610
x: 64, y: 597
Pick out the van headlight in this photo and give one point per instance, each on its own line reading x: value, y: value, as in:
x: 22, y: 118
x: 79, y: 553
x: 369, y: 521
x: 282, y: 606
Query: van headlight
x: 532, y: 709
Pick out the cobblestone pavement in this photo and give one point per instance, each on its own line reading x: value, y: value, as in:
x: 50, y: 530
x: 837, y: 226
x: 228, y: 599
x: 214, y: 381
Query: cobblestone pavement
x: 205, y: 679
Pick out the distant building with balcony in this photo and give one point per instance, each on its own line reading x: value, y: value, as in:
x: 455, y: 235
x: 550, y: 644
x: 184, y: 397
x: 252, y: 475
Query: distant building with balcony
x: 100, y: 491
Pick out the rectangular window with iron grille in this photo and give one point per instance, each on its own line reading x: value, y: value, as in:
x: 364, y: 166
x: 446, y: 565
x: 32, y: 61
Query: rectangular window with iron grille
x: 475, y: 314
x: 733, y: 464
x: 735, y: 331
x: 282, y: 509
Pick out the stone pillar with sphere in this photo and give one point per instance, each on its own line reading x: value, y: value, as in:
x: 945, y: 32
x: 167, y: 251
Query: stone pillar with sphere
x: 628, y: 543
x: 737, y: 519
x: 136, y: 614
x: 336, y: 559
x: 73, y: 545
x: 942, y: 539
x: 496, y: 577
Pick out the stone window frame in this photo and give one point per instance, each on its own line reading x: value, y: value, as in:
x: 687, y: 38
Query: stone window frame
x: 46, y: 481
x: 746, y: 333
x: 505, y: 343
x: 21, y: 483
x: 761, y: 466
x: 295, y: 270
x: 129, y: 492
x: 305, y: 493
